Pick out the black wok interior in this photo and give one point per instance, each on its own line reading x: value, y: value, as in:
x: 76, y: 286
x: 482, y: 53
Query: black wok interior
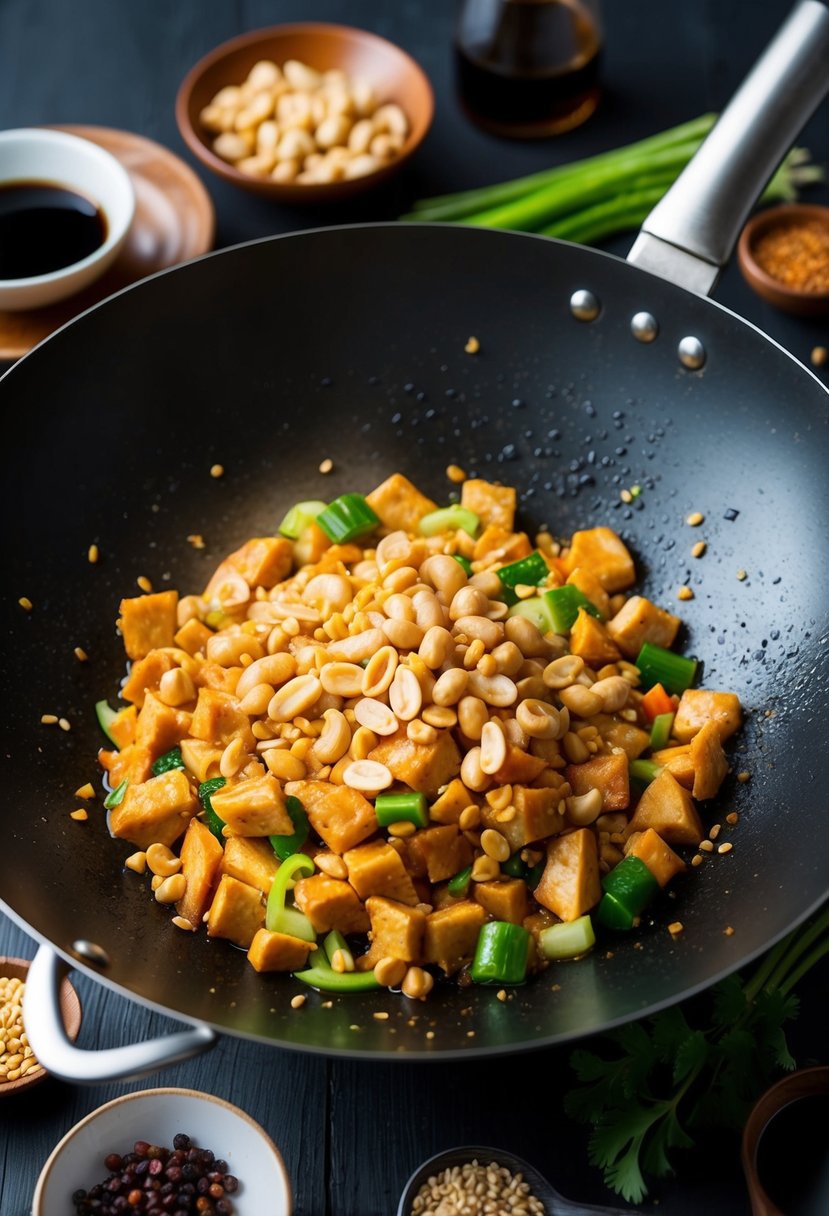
x: 349, y: 344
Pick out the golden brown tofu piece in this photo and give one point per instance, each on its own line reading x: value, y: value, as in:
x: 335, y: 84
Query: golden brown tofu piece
x: 669, y: 809
x: 439, y: 852
x: 424, y: 767
x: 133, y: 764
x: 155, y: 810
x: 610, y: 774
x: 253, y: 807
x: 700, y: 705
x: 708, y: 758
x: 148, y: 622
x: 201, y: 758
x: 397, y: 930
x: 590, y: 586
x: 339, y: 815
x: 193, y: 637
x: 451, y: 935
x: 519, y: 767
x: 570, y: 885
x: 605, y: 555
x: 641, y: 621
x: 376, y: 868
x: 659, y: 857
x: 213, y: 675
x: 237, y: 912
x: 618, y: 733
x: 218, y: 719
x: 123, y: 726
x: 201, y: 855
x: 330, y: 903
x: 145, y: 675
x: 497, y: 544
x: 677, y: 760
x: 536, y: 817
x: 250, y: 860
x: 278, y: 951
x: 160, y: 727
x: 504, y: 900
x: 398, y: 504
x: 454, y: 799
x: 492, y: 503
x: 262, y: 562
x: 590, y: 640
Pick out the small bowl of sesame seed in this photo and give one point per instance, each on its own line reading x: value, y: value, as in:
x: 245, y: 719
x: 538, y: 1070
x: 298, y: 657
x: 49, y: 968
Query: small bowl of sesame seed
x: 459, y: 1181
x: 783, y: 253
x: 19, y: 1068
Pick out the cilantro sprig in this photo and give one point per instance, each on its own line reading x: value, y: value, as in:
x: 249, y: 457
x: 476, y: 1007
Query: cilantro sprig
x: 661, y: 1080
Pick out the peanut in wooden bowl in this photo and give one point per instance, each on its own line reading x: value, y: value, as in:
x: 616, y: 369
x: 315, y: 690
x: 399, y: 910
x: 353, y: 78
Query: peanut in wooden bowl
x: 783, y: 296
x: 70, y: 1008
x: 394, y: 74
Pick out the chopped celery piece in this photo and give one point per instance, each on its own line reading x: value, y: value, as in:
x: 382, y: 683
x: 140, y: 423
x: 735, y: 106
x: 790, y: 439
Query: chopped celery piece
x: 116, y: 796
x: 301, y: 517
x: 675, y: 672
x: 514, y: 866
x: 105, y: 715
x: 628, y: 889
x: 501, y: 954
x: 335, y: 942
x: 642, y: 772
x: 169, y: 761
x: 567, y: 940
x: 564, y: 603
x: 464, y: 563
x: 213, y: 821
x: 278, y: 917
x: 536, y: 610
x: 530, y: 571
x: 321, y: 975
x: 449, y: 519
x: 661, y: 731
x: 286, y: 846
x: 347, y: 518
x: 394, y: 808
x: 459, y: 885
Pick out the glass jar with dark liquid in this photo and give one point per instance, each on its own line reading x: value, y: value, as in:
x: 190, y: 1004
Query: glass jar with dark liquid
x: 529, y: 68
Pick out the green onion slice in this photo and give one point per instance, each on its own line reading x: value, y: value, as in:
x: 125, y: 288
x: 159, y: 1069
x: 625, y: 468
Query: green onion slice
x: 323, y: 976
x: 535, y: 609
x: 335, y: 941
x: 449, y: 519
x: 280, y: 918
x: 530, y: 571
x: 564, y: 604
x: 661, y: 731
x: 501, y: 954
x: 675, y: 672
x: 213, y: 821
x: 300, y: 516
x: 168, y: 762
x: 628, y: 889
x: 347, y: 518
x: 459, y: 885
x: 394, y: 808
x: 286, y: 846
x: 644, y: 771
x: 567, y: 940
x: 464, y: 563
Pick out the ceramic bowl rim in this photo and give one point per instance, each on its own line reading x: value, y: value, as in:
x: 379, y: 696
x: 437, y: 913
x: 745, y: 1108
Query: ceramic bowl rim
x: 760, y: 222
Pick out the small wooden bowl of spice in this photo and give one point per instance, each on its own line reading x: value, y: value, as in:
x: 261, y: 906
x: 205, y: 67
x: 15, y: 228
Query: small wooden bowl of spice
x: 19, y: 1069
x: 784, y: 255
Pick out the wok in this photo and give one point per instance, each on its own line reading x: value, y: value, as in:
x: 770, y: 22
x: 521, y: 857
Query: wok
x: 349, y: 343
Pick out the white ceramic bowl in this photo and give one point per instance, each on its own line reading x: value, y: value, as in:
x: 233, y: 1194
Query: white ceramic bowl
x: 38, y: 154
x: 158, y: 1115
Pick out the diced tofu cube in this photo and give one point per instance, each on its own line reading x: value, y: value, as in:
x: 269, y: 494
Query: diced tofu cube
x: 677, y: 760
x: 659, y: 857
x: 278, y: 951
x: 589, y: 585
x: 669, y: 809
x: 253, y: 807
x: 700, y: 705
x: 193, y: 637
x: 339, y: 815
x: 133, y: 764
x: 201, y: 855
x: 448, y: 806
x: 570, y: 885
x: 451, y: 935
x: 376, y: 868
x: 201, y: 758
x: 504, y: 900
x: 708, y: 758
x: 250, y: 860
x: 160, y: 727
x: 498, y: 544
x: 493, y: 504
x: 155, y: 810
x: 605, y: 555
x: 236, y: 913
x: 424, y: 767
x: 148, y: 622
x: 396, y: 930
x: 439, y: 852
x: 220, y: 679
x: 398, y: 504
x: 519, y: 767
x: 145, y: 675
x: 262, y: 562
x: 536, y: 817
x: 618, y: 733
x: 591, y: 641
x: 330, y: 903
x: 124, y: 725
x: 640, y: 621
x: 610, y: 774
x: 218, y: 719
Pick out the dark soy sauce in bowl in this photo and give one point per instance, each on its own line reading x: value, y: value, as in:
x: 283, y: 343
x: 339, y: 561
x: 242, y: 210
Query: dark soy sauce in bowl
x: 793, y: 1157
x: 45, y: 227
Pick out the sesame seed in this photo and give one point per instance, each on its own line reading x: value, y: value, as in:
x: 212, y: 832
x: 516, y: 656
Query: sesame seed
x: 470, y: 1034
x: 80, y: 654
x: 699, y: 548
x: 742, y: 575
x: 49, y: 719
x: 684, y: 593
x: 728, y: 931
x: 626, y: 496
x: 380, y: 1016
x: 327, y: 1005
x: 196, y: 540
x: 743, y: 777
x: 715, y: 831
x: 217, y: 470
x: 353, y: 1025
x: 501, y: 994
x: 732, y: 817
x: 92, y: 554
x: 64, y: 724
x: 25, y: 603
x: 298, y: 1001
x: 524, y: 591
x: 695, y: 519
x: 675, y: 928
x: 327, y: 465
x: 725, y: 848
x: 181, y: 922
x: 80, y: 815
x: 472, y: 346
x: 430, y: 1034
x: 819, y: 355
x: 455, y: 473
x: 144, y: 583
x: 706, y: 846
x: 696, y: 860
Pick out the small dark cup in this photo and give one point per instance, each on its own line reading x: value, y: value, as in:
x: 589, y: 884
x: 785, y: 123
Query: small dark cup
x: 807, y: 1083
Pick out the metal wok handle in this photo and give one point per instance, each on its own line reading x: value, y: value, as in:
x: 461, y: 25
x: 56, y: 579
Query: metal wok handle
x: 49, y: 1041
x: 689, y: 235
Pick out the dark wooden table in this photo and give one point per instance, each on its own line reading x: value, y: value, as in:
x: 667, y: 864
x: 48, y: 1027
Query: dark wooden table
x: 351, y: 1133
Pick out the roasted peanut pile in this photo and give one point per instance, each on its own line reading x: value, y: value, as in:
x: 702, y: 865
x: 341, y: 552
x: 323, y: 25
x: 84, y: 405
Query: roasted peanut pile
x: 16, y: 1056
x: 475, y: 1190
x: 294, y: 124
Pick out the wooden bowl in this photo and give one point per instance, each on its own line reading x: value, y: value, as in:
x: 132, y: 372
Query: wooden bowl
x: 781, y: 295
x: 70, y: 1007
x: 394, y: 74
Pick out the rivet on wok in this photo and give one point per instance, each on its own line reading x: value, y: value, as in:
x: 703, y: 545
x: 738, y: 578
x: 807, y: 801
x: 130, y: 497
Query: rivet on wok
x: 644, y: 326
x: 584, y: 306
x: 691, y: 354
x: 90, y: 952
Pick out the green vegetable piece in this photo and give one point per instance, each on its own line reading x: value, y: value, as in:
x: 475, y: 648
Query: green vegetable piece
x: 535, y: 609
x: 286, y: 846
x: 642, y: 772
x: 347, y: 518
x: 570, y: 939
x: 533, y: 875
x: 675, y: 672
x: 564, y: 604
x: 213, y: 821
x: 168, y: 762
x: 628, y: 889
x: 300, y: 517
x: 449, y: 519
x: 116, y: 796
x: 501, y: 954
x: 394, y: 808
x: 530, y: 571
x: 324, y: 977
x: 464, y: 563
x: 280, y: 918
x: 458, y: 886
x: 514, y: 866
x: 334, y: 942
x: 105, y: 714
x: 661, y: 731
